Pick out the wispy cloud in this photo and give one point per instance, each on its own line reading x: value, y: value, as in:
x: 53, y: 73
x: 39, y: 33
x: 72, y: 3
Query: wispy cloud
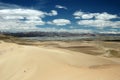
x: 61, y: 7
x: 31, y: 4
x: 8, y: 6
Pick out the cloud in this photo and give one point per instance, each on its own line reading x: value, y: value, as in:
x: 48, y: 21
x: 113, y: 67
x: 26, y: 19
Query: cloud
x: 25, y: 13
x: 109, y: 32
x: 53, y: 29
x: 98, y: 20
x: 12, y: 26
x: 22, y: 12
x: 34, y: 4
x: 40, y: 22
x: 22, y: 19
x: 52, y: 13
x: 105, y: 16
x: 16, y: 19
x: 82, y: 15
x: 60, y: 22
x: 99, y: 16
x: 75, y: 30
x: 8, y: 6
x: 99, y: 23
x: 30, y: 26
x: 61, y: 7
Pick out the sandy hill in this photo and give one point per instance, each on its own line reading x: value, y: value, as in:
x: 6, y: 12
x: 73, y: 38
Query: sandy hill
x: 21, y: 62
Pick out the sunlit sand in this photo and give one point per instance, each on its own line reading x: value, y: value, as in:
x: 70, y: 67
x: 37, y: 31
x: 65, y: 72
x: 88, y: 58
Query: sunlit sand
x: 54, y: 61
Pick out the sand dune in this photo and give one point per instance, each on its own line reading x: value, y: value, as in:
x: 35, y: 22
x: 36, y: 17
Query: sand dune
x: 23, y: 62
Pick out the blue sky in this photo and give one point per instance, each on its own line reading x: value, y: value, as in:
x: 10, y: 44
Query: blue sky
x: 77, y: 16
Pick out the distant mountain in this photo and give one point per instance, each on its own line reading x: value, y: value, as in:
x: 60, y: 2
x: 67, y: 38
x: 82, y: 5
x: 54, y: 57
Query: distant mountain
x: 65, y: 34
x: 43, y: 34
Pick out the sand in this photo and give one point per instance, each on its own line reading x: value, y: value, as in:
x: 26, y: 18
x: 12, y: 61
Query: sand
x: 30, y: 62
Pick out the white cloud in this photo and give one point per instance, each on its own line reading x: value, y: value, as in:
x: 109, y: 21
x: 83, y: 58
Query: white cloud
x: 105, y: 16
x: 12, y: 17
x: 60, y: 22
x: 83, y: 15
x: 53, y: 29
x: 110, y: 32
x: 98, y: 20
x: 99, y: 16
x: 24, y: 27
x: 75, y: 30
x: 22, y: 19
x: 40, y: 22
x: 22, y: 12
x: 13, y: 26
x: 52, y: 13
x: 61, y: 7
x: 25, y: 13
x: 99, y: 23
x: 18, y: 19
x: 86, y: 16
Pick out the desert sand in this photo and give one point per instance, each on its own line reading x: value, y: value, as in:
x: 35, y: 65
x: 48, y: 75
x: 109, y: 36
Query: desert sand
x: 48, y: 61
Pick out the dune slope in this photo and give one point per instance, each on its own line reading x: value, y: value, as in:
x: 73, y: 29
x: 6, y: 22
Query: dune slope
x: 18, y: 62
